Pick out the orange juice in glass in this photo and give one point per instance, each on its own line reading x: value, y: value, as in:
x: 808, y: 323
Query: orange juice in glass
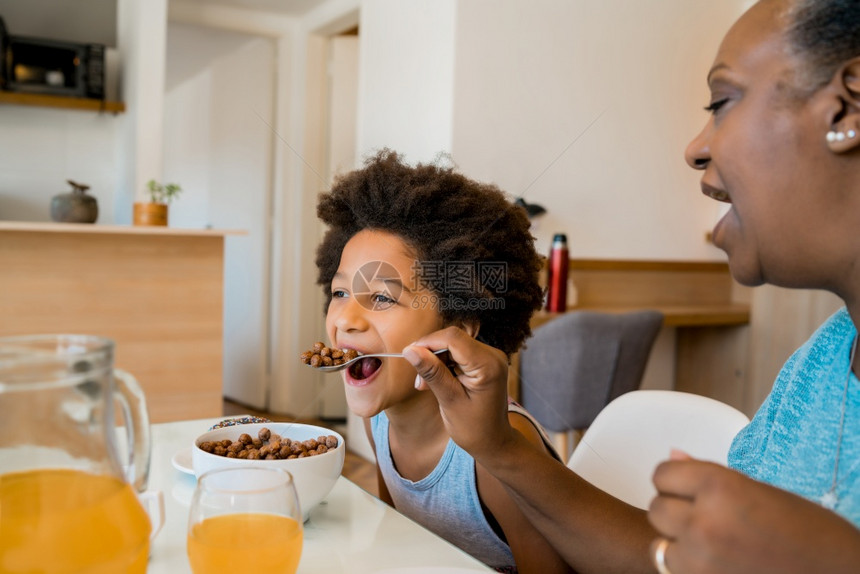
x: 245, y: 519
x: 66, y: 504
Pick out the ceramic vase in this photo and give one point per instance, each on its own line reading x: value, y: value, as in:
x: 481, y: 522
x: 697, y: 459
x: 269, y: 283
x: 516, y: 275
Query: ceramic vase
x: 75, y: 206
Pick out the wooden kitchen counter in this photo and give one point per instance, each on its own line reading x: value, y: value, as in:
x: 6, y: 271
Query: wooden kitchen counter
x: 156, y: 291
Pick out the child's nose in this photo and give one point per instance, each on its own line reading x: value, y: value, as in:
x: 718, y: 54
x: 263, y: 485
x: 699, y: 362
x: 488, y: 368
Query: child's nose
x: 351, y: 316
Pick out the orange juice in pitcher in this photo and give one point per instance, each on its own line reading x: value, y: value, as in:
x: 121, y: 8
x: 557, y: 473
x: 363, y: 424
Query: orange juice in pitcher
x: 68, y: 497
x: 71, y: 521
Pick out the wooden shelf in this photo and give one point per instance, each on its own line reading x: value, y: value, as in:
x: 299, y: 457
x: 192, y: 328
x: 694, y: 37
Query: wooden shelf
x: 688, y: 293
x: 48, y: 101
x: 695, y: 297
x: 716, y: 314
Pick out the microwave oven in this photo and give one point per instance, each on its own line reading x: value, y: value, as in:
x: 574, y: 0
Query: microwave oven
x: 43, y: 66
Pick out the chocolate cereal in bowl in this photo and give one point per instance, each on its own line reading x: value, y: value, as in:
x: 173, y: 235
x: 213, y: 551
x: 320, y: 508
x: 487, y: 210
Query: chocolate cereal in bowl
x: 314, y: 455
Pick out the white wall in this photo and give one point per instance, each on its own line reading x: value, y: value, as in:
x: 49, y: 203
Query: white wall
x: 586, y: 108
x: 406, y: 81
x: 142, y: 42
x: 583, y: 107
x: 88, y: 21
x: 342, y: 126
x: 41, y: 148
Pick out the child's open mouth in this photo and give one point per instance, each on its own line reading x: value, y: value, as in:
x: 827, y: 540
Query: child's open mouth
x: 364, y: 368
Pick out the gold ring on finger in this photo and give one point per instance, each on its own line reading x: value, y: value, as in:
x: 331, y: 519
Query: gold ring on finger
x: 660, y: 556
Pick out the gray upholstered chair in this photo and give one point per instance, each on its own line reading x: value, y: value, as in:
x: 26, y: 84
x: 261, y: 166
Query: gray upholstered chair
x: 574, y: 365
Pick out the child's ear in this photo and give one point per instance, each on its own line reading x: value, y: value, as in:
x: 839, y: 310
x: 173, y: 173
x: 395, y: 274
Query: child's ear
x: 471, y: 327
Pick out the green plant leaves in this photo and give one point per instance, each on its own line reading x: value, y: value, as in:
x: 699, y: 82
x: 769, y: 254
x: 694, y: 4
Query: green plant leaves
x: 159, y: 193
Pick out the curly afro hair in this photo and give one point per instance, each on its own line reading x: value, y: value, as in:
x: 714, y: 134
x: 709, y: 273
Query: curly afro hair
x: 445, y: 217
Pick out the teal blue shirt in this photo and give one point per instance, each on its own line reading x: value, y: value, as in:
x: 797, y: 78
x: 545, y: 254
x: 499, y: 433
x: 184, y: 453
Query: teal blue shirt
x: 792, y: 440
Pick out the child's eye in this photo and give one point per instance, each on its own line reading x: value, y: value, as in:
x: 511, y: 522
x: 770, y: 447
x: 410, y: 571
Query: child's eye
x: 338, y: 293
x: 382, y: 300
x: 714, y: 107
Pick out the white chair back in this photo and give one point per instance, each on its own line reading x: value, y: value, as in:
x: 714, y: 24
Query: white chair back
x: 622, y: 447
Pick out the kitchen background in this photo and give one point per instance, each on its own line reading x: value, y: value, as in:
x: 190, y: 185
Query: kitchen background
x: 582, y: 106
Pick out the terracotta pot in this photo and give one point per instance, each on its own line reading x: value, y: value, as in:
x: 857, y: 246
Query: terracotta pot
x: 150, y: 214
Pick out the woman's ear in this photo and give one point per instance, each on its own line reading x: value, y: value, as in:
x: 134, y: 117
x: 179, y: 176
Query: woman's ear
x: 844, y: 133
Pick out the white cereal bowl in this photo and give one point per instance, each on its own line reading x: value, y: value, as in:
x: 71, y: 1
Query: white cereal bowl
x: 314, y: 476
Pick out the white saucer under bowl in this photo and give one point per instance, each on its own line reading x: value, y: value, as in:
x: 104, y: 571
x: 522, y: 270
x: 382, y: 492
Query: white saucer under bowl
x: 182, y: 461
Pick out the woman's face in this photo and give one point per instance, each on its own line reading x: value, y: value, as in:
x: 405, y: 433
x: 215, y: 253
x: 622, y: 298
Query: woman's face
x: 764, y: 151
x: 375, y: 309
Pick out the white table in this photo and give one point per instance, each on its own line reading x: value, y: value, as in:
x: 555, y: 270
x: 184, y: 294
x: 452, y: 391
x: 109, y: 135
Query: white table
x: 350, y: 532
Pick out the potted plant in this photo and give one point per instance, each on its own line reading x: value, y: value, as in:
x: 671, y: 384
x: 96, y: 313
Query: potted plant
x: 154, y: 211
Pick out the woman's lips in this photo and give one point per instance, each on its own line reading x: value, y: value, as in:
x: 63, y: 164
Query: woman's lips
x: 716, y: 193
x: 717, y: 235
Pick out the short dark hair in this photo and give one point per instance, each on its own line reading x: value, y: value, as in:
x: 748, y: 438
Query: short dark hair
x: 445, y: 217
x: 823, y: 34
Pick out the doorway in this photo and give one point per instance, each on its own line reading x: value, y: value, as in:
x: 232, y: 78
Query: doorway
x: 218, y: 109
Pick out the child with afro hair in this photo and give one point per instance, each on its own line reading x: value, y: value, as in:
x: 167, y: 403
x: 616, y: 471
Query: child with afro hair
x: 410, y: 250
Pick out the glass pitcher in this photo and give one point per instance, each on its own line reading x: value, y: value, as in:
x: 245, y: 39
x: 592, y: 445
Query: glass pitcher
x: 68, y: 498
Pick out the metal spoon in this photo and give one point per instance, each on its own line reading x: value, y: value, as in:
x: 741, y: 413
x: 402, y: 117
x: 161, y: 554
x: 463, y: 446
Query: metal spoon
x: 346, y: 364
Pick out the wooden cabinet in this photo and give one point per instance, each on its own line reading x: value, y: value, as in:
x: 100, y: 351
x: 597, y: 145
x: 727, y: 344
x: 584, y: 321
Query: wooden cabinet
x: 157, y: 292
x: 697, y: 299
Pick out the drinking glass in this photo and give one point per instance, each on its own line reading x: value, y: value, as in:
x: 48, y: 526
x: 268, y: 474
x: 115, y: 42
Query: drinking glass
x: 245, y: 519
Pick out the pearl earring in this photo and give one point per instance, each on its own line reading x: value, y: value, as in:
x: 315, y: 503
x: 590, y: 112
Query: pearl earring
x: 834, y: 136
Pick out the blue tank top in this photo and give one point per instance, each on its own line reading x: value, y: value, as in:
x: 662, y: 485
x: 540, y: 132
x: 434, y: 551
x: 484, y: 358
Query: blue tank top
x: 792, y: 440
x: 446, y: 500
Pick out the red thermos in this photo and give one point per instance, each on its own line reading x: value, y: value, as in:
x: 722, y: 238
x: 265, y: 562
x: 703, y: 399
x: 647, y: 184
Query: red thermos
x: 556, y: 295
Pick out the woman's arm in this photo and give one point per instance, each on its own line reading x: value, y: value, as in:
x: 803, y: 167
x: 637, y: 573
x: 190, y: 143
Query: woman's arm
x: 532, y: 552
x: 590, y: 529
